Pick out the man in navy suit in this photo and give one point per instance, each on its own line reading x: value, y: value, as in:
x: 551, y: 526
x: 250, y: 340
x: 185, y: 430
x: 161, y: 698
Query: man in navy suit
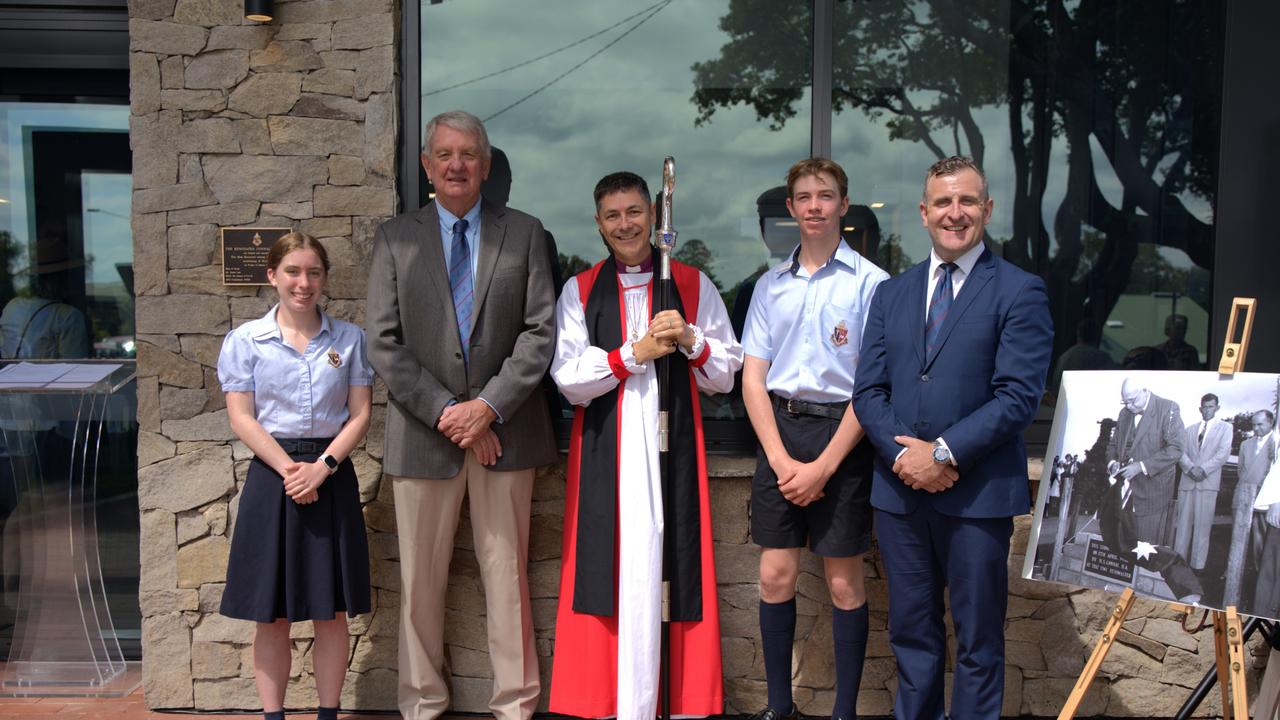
x: 954, y: 359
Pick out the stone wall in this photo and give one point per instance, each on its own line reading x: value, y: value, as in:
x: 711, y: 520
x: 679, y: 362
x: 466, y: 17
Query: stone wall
x: 294, y: 124
x: 290, y: 124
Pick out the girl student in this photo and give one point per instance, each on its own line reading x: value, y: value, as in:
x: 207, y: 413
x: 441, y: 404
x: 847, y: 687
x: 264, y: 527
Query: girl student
x: 299, y: 391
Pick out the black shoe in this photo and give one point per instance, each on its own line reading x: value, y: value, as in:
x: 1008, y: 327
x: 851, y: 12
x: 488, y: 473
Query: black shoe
x: 769, y: 713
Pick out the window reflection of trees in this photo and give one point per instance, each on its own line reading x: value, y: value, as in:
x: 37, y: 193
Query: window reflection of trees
x: 1137, y: 80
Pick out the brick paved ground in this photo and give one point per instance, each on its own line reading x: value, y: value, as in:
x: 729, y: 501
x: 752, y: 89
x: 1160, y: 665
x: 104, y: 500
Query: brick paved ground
x: 127, y: 708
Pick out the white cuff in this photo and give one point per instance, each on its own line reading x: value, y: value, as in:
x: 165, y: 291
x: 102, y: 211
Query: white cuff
x: 494, y: 409
x: 698, y: 343
x: 629, y: 359
x: 899, y: 455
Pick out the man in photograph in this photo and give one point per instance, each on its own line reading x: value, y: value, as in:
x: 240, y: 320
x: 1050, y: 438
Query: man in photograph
x: 953, y: 365
x: 1205, y: 450
x: 1248, y: 520
x: 1266, y: 532
x: 461, y: 328
x: 1142, y: 462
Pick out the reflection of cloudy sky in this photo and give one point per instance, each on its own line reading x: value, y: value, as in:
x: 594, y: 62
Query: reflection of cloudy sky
x: 16, y: 216
x: 630, y: 106
x: 1091, y: 396
x: 108, y: 238
x: 624, y: 110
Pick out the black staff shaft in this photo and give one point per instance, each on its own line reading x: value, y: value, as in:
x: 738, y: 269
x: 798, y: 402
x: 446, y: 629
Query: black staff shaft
x: 664, y: 300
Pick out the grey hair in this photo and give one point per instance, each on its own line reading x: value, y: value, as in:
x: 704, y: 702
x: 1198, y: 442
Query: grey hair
x: 459, y: 120
x: 952, y: 166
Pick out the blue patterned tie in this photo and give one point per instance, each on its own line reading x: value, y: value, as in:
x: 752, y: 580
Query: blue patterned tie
x: 939, y: 306
x: 460, y: 281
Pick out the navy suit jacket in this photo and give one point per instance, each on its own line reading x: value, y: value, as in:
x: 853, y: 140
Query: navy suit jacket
x: 979, y: 390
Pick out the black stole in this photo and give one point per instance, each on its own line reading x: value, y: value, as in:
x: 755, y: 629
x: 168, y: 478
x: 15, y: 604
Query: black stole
x: 595, y: 543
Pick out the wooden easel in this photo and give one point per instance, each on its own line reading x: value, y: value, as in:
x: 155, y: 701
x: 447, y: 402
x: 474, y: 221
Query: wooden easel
x: 1228, y: 637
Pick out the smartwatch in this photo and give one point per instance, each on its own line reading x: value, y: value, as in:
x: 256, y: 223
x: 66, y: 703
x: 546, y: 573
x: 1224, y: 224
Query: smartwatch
x: 332, y: 463
x: 941, y: 454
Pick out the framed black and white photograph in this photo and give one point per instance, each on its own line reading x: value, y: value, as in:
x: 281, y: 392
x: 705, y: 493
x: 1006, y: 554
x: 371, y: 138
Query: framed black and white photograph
x: 1164, y: 482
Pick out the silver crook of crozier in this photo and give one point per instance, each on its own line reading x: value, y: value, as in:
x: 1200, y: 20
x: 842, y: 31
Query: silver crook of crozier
x: 666, y: 233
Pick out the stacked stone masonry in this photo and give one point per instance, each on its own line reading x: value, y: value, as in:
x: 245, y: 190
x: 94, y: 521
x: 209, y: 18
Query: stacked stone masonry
x: 294, y: 124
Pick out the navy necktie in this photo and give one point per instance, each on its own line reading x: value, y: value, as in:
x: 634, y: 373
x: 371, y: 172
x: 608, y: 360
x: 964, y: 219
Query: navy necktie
x: 460, y: 281
x: 939, y: 306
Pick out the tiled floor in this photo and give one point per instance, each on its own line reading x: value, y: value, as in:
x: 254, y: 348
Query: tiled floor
x: 127, y: 708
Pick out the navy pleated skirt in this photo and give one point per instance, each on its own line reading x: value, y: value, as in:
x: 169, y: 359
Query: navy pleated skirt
x: 298, y: 562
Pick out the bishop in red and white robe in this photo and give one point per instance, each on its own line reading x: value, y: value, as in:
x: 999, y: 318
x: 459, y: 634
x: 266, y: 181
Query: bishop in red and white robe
x: 609, y: 617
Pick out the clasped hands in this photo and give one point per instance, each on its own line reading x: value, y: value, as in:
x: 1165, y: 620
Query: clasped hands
x: 467, y: 425
x: 303, y: 479
x: 799, y: 482
x: 666, y: 330
x: 917, y: 468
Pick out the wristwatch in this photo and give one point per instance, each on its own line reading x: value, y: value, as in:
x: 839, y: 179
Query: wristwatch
x: 332, y: 463
x: 941, y: 454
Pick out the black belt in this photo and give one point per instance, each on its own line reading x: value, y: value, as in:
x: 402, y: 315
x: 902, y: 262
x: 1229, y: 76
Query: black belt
x: 303, y: 446
x: 835, y: 410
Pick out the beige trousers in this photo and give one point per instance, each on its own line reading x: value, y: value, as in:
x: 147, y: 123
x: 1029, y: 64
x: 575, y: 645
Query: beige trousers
x: 426, y: 520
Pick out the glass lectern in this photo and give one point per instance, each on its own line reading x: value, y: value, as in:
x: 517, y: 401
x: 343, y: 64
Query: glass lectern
x: 54, y: 416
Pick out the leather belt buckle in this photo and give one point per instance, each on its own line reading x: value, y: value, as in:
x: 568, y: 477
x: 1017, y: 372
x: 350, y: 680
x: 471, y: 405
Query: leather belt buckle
x: 794, y: 407
x: 299, y: 446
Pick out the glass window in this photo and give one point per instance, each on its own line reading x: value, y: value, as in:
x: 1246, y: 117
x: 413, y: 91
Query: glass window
x: 571, y: 92
x: 1097, y: 126
x: 65, y: 190
x: 67, y: 293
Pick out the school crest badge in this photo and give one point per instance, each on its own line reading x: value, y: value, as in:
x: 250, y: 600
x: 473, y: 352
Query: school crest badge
x: 840, y: 334
x: 335, y: 360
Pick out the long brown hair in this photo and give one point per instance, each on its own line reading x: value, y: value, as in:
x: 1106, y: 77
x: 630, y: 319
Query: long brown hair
x: 296, y: 241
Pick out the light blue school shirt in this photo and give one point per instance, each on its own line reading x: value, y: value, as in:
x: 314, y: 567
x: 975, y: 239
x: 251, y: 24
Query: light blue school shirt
x: 296, y: 395
x: 809, y: 327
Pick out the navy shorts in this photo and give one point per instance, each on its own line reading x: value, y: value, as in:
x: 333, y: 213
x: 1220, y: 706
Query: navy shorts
x: 836, y: 525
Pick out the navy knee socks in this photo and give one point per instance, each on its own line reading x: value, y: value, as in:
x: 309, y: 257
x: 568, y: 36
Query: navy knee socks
x: 777, y: 634
x: 849, y: 635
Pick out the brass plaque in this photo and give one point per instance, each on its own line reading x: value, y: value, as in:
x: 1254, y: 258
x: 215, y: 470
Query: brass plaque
x: 244, y: 254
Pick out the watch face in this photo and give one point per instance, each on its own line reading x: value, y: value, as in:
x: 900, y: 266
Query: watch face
x: 941, y: 455
x: 331, y: 462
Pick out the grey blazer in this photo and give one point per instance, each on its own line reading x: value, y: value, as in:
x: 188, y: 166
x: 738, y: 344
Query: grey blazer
x: 415, y: 348
x: 1217, y: 446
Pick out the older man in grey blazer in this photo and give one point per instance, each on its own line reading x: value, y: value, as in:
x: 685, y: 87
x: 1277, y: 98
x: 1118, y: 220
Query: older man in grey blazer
x: 461, y: 328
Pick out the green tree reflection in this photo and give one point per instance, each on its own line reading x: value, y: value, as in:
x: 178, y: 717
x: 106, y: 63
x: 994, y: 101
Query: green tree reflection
x: 1137, y: 79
